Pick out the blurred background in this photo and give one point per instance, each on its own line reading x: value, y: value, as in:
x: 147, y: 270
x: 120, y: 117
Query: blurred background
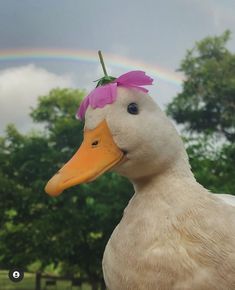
x: 48, y: 62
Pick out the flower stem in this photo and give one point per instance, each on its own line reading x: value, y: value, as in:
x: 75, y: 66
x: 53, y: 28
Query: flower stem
x: 102, y: 63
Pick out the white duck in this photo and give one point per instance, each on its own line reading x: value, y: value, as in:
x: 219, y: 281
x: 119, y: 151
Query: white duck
x: 174, y: 234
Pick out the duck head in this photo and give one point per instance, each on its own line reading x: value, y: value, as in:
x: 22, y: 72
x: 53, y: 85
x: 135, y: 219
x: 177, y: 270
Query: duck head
x: 126, y: 132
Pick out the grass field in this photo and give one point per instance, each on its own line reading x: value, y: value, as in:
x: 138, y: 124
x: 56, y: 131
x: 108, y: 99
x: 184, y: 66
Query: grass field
x: 28, y: 283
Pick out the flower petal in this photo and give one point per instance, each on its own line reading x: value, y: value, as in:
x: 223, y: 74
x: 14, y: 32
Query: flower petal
x: 103, y: 95
x: 138, y: 78
x: 107, y: 94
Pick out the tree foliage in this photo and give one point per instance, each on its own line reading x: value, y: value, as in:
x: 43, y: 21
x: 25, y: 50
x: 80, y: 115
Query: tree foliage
x: 207, y: 101
x: 212, y: 165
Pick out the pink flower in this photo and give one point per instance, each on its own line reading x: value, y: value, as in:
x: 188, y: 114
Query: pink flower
x: 107, y: 94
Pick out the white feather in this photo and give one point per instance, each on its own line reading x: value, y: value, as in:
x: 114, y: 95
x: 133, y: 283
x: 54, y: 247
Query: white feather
x: 227, y: 198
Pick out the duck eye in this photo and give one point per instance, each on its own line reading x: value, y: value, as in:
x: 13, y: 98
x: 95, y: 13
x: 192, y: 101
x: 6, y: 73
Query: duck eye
x: 133, y: 109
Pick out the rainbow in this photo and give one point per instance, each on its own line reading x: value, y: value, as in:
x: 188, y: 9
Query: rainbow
x: 48, y: 54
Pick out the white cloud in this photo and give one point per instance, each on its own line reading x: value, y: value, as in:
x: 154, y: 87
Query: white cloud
x: 19, y: 89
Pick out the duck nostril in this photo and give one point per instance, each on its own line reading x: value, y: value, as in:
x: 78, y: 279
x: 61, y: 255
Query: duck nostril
x: 95, y: 143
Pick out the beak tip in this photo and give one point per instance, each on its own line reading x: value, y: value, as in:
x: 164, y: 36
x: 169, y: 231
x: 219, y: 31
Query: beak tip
x: 53, y: 194
x: 52, y: 189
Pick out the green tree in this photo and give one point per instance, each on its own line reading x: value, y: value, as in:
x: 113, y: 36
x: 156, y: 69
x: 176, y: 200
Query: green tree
x: 206, y: 109
x: 68, y: 232
x: 207, y: 101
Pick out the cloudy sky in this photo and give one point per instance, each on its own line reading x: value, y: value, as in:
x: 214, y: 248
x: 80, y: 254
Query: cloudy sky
x: 150, y: 34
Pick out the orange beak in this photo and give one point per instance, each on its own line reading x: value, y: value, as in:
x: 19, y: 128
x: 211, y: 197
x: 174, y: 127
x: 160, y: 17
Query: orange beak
x: 97, y: 154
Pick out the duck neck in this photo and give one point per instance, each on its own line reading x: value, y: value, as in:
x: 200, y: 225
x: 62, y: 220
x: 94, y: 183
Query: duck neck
x: 164, y: 183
